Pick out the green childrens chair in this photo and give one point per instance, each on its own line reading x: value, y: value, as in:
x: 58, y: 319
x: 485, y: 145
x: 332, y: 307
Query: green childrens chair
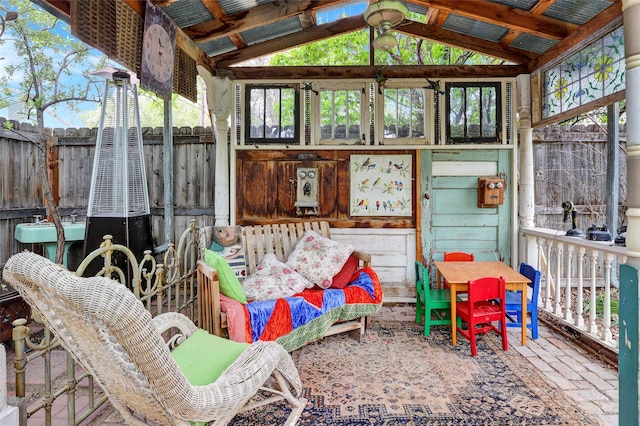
x: 432, y: 304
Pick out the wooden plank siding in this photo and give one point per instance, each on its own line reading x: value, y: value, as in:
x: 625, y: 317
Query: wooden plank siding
x: 451, y: 218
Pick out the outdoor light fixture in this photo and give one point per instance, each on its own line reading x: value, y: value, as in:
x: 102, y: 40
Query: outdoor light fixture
x: 384, y: 15
x: 10, y: 16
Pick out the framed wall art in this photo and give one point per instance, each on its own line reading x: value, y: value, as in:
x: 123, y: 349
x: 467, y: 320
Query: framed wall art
x: 381, y: 185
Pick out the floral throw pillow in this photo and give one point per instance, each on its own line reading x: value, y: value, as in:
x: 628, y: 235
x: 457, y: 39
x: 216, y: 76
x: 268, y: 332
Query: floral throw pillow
x: 318, y: 258
x: 273, y: 279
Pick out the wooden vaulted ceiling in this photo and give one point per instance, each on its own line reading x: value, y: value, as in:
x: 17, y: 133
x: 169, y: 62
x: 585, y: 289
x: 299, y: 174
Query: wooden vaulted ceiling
x: 528, y: 33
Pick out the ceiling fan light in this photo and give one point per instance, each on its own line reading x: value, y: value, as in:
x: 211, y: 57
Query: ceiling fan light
x: 385, y: 41
x: 392, y: 11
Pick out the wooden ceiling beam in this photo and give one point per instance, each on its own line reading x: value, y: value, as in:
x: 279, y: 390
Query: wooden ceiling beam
x: 504, y: 16
x: 537, y: 10
x: 309, y: 73
x: 255, y: 17
x: 279, y: 44
x: 462, y: 41
x: 59, y: 7
x: 214, y: 8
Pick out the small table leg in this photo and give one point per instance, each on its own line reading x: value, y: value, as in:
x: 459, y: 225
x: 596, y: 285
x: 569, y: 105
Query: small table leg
x: 524, y: 314
x: 453, y: 289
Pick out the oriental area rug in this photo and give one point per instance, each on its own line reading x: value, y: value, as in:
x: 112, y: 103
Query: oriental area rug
x: 396, y: 376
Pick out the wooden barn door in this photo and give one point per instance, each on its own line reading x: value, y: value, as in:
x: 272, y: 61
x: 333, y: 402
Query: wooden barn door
x: 451, y: 219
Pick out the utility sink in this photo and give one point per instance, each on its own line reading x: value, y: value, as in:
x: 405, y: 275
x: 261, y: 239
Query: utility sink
x: 45, y: 233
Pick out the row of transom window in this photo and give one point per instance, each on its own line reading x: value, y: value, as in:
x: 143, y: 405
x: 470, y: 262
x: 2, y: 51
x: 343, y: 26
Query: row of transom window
x: 373, y: 113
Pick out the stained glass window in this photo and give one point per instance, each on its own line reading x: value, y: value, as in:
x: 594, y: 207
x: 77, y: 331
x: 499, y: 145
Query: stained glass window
x: 591, y: 74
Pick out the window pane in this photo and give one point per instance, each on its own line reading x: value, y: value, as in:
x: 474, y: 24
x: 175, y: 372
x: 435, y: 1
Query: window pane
x: 257, y: 113
x: 287, y: 118
x: 404, y: 113
x: 489, y: 112
x: 390, y: 113
x: 272, y: 116
x: 353, y: 118
x: 473, y: 112
x: 340, y: 112
x: 457, y: 112
x: 417, y: 113
x: 326, y: 114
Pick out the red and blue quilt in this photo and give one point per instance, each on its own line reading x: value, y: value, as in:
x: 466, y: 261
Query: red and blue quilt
x: 297, y: 320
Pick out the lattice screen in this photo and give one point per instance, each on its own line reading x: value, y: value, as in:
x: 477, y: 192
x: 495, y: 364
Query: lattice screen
x: 307, y: 117
x: 185, y: 76
x: 117, y: 30
x: 509, y: 112
x: 94, y: 22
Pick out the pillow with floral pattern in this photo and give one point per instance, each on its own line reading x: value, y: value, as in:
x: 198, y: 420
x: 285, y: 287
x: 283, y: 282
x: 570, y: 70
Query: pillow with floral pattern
x: 318, y: 258
x: 273, y: 279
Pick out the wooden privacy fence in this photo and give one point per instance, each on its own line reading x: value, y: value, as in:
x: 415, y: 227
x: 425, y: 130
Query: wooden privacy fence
x: 163, y: 284
x: 71, y: 162
x: 570, y: 163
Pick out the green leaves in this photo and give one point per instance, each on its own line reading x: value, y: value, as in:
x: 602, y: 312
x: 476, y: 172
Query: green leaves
x: 49, y: 67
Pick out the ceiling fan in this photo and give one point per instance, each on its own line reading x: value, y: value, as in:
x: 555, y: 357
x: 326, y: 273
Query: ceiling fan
x: 384, y: 15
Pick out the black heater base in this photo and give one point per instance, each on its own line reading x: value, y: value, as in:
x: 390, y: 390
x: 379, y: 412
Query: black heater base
x: 132, y: 232
x: 575, y: 232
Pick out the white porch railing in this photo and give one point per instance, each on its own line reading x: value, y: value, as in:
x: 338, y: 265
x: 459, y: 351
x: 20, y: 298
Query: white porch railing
x: 579, y: 280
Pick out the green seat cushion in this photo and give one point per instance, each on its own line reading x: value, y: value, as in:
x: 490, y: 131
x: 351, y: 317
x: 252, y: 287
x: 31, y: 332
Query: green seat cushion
x: 229, y: 283
x: 203, y: 357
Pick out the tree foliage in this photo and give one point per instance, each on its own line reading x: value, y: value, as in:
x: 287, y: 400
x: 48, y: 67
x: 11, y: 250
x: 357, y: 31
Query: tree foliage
x: 353, y: 49
x: 49, y: 67
x: 43, y: 72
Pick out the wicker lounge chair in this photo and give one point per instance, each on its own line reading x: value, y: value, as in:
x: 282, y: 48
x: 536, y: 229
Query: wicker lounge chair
x: 115, y: 339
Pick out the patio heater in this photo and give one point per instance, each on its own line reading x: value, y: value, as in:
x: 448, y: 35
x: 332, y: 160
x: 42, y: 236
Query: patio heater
x: 119, y: 199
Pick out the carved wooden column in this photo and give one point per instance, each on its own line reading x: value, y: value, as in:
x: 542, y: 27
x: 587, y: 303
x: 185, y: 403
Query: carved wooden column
x: 219, y: 101
x: 526, y: 193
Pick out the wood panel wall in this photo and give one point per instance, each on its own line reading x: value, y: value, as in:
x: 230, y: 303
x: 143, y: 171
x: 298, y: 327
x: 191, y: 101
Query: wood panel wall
x: 265, y: 195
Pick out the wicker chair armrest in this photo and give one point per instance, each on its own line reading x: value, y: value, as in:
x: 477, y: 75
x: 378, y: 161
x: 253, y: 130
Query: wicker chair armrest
x: 169, y: 320
x: 365, y: 258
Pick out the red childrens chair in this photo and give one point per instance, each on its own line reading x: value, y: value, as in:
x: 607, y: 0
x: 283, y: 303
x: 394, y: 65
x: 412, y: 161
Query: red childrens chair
x: 485, y: 304
x: 454, y: 256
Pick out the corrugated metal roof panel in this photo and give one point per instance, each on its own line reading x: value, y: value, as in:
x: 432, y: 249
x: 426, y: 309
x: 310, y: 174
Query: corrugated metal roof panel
x: 518, y: 4
x: 416, y: 8
x: 186, y: 13
x: 471, y: 27
x: 273, y: 30
x: 533, y: 43
x: 233, y: 6
x: 577, y: 11
x: 218, y: 46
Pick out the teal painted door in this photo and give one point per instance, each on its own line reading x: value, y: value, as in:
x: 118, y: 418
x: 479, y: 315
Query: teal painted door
x: 451, y: 218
